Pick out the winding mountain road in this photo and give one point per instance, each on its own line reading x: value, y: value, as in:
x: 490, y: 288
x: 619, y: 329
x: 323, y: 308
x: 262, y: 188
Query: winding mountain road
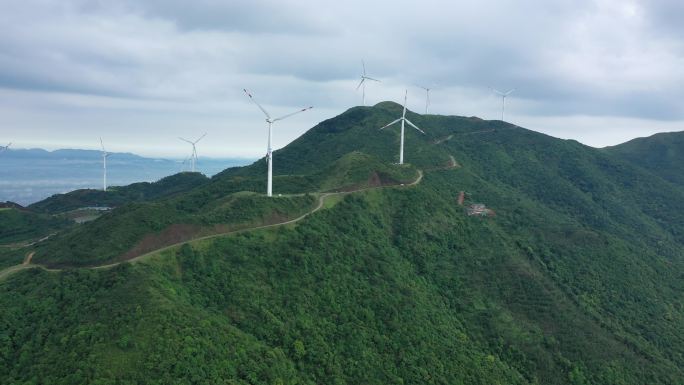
x: 26, y: 264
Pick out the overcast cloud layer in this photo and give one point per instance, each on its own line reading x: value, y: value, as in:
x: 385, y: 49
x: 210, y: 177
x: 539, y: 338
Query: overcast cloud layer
x: 141, y: 73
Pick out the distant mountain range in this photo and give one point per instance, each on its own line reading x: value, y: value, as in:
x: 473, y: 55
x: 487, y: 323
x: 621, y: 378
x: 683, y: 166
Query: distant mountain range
x: 30, y: 175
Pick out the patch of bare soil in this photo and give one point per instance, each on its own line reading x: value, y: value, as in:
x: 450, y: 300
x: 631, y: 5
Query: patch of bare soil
x: 171, y: 235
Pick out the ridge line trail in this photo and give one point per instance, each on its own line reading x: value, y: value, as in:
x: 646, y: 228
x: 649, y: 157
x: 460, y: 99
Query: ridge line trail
x: 26, y: 264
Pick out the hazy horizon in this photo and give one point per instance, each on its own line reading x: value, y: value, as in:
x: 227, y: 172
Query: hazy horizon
x: 176, y: 157
x: 26, y: 178
x: 152, y: 157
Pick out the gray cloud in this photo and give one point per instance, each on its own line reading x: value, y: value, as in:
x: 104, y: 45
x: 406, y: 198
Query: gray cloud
x: 256, y: 16
x: 164, y: 67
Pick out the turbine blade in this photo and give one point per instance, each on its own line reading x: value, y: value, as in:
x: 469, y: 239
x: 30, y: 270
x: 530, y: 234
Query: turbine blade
x: 398, y: 120
x: 414, y: 126
x: 360, y: 83
x: 200, y: 138
x: 258, y: 105
x: 185, y: 140
x: 364, y: 67
x: 102, y: 144
x: 498, y: 92
x: 294, y: 113
x: 369, y: 78
x: 509, y: 92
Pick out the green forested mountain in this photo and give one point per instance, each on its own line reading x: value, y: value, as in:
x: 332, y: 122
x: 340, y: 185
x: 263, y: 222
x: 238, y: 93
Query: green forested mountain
x: 662, y: 154
x: 577, y: 279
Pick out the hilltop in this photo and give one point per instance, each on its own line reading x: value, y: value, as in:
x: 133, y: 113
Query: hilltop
x: 117, y: 196
x: 383, y: 278
x: 660, y: 154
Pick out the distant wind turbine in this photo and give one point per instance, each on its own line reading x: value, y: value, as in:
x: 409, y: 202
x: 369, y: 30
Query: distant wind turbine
x: 269, y: 151
x: 5, y: 148
x: 503, y: 99
x: 105, y: 155
x: 427, y: 98
x: 193, y: 156
x: 362, y: 83
x: 402, y: 120
x: 183, y: 163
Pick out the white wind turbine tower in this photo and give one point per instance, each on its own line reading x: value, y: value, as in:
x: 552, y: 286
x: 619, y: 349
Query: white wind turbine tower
x: 5, y: 148
x: 503, y: 99
x: 193, y: 156
x: 402, y: 120
x: 105, y: 155
x: 362, y: 83
x: 427, y: 98
x: 269, y: 151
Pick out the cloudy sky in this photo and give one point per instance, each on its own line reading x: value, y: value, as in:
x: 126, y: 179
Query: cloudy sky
x: 140, y: 73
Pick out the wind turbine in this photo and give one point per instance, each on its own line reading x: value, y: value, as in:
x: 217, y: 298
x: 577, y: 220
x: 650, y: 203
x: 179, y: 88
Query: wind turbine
x: 5, y: 148
x: 269, y: 151
x: 193, y: 156
x: 503, y: 99
x: 105, y: 155
x: 427, y: 98
x: 362, y: 83
x: 402, y: 120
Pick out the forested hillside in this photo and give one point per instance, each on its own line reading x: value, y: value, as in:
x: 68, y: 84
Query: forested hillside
x: 660, y: 153
x: 578, y: 277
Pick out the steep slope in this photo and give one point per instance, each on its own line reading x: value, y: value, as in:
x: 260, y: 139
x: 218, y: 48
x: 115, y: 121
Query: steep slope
x: 576, y: 280
x: 661, y: 154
